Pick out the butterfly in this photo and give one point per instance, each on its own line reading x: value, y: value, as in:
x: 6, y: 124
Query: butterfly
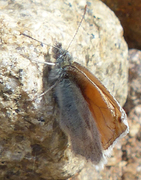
x: 89, y: 115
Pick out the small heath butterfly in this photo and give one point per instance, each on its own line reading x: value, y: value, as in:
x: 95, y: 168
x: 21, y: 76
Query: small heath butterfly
x: 89, y: 115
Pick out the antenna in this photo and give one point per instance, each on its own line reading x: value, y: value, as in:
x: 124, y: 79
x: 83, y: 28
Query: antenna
x: 72, y: 38
x: 37, y: 40
x: 57, y: 47
x: 78, y: 27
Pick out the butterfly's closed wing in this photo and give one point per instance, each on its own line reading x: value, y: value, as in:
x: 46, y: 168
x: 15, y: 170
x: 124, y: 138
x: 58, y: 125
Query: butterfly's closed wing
x: 76, y: 119
x: 107, y: 113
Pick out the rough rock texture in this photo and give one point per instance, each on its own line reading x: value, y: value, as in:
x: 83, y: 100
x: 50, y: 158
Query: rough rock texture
x: 129, y: 14
x: 132, y: 147
x: 31, y: 142
x: 134, y: 84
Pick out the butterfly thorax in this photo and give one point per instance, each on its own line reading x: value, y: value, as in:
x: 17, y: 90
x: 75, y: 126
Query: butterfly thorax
x: 61, y: 56
x: 63, y: 59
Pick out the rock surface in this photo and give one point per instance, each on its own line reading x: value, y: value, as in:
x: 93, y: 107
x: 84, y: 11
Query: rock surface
x: 129, y: 14
x: 31, y: 142
x: 134, y: 84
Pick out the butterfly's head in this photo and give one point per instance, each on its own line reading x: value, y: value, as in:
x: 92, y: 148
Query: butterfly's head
x: 62, y: 56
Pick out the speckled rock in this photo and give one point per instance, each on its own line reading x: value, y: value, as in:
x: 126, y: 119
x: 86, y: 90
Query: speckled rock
x: 132, y: 147
x: 129, y: 14
x: 31, y: 142
x: 134, y: 90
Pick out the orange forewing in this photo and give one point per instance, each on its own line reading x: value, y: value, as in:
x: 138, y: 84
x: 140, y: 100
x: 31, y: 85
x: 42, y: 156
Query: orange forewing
x: 106, y: 111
